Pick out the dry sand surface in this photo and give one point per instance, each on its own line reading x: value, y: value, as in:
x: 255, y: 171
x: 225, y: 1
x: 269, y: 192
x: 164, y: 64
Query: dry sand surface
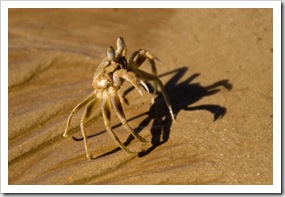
x: 216, y: 67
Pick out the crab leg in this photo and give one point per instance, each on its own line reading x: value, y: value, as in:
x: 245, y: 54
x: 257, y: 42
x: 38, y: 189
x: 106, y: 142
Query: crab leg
x: 146, y: 76
x: 138, y: 58
x: 86, y: 114
x: 78, y: 107
x: 151, y: 58
x: 119, y: 110
x: 107, y: 115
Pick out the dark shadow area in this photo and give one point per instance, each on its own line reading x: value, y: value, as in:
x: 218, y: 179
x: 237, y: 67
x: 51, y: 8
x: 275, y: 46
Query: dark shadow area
x: 182, y: 95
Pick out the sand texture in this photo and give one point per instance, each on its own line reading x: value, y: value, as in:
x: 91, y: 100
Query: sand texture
x: 216, y: 65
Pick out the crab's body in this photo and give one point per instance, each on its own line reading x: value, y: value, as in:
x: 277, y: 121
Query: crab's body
x: 107, y: 81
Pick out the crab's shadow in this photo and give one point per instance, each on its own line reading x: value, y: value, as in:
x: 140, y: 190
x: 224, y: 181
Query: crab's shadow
x: 182, y: 94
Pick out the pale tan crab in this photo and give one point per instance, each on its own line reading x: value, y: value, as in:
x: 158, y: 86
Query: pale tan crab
x: 107, y: 81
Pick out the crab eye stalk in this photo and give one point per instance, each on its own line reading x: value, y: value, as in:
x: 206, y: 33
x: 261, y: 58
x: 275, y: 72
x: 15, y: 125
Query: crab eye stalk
x: 120, y: 44
x: 111, y: 53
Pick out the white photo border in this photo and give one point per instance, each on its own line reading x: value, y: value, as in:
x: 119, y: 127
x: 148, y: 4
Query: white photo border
x: 275, y: 188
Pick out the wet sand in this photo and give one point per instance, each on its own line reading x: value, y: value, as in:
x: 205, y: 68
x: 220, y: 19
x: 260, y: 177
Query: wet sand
x: 216, y: 67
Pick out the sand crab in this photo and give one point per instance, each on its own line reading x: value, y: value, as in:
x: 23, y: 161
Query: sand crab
x: 107, y: 81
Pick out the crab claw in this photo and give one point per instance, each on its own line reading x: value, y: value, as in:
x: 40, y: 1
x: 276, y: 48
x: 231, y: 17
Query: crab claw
x: 135, y: 84
x: 144, y: 85
x: 128, y: 76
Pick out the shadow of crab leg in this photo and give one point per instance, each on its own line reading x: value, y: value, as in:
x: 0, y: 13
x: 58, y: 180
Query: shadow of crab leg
x: 146, y: 76
x: 86, y: 114
x: 107, y: 115
x: 78, y: 107
x: 119, y: 110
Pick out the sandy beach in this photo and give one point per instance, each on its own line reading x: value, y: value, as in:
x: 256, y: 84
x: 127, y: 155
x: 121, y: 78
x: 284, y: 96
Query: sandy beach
x: 216, y: 66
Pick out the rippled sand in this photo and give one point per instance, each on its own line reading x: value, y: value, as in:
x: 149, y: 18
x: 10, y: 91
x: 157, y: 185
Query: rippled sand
x: 216, y: 67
